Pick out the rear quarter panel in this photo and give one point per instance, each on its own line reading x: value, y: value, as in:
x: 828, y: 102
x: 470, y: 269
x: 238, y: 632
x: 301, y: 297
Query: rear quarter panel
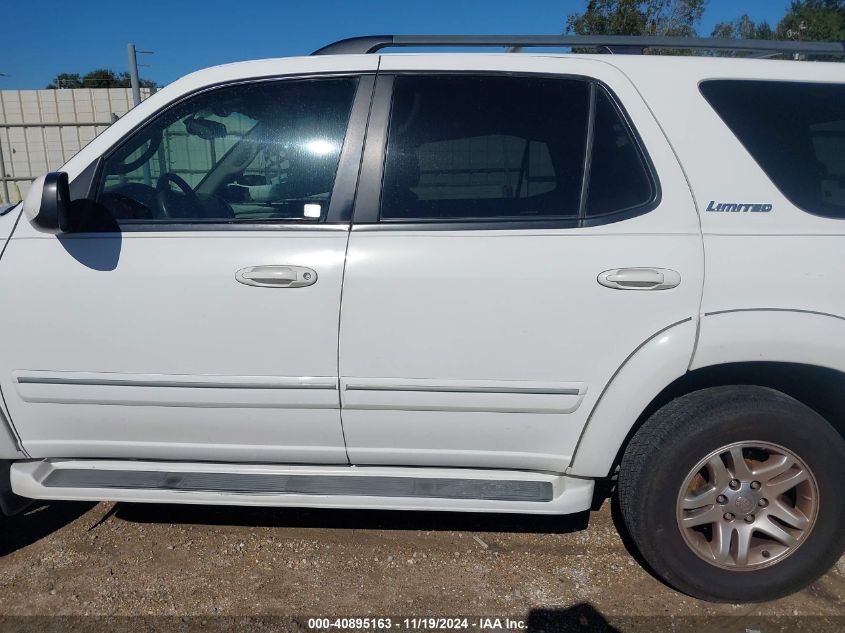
x: 773, y: 281
x: 773, y: 288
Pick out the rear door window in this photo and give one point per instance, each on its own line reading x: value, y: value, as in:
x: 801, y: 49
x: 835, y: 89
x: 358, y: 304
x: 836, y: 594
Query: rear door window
x: 796, y: 133
x: 485, y: 147
x: 509, y: 148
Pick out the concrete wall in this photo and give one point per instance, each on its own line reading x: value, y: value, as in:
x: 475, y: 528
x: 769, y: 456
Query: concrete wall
x: 41, y: 129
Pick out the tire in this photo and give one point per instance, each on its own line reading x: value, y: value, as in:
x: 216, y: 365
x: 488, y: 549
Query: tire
x: 658, y: 484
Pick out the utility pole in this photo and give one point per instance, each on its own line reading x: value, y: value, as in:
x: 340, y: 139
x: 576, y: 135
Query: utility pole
x: 3, y: 167
x: 133, y: 74
x: 5, y: 182
x: 135, y: 80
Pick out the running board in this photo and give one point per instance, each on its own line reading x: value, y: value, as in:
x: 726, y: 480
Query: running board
x: 373, y: 487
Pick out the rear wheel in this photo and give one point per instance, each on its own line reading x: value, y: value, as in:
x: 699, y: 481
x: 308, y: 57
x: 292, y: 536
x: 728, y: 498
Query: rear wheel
x: 735, y: 494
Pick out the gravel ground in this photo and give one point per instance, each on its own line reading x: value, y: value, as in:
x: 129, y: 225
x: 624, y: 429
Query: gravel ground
x: 77, y: 559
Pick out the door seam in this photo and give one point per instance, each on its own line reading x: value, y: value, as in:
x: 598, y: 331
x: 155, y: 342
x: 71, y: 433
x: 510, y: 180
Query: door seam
x: 345, y: 259
x: 8, y: 415
x: 700, y: 313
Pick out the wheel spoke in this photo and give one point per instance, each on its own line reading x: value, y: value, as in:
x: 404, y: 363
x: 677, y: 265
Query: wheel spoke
x: 772, y: 529
x: 720, y: 546
x: 793, y: 517
x: 739, y: 465
x: 719, y: 475
x: 700, y: 500
x: 701, y: 516
x: 743, y: 543
x: 773, y: 467
x: 784, y: 484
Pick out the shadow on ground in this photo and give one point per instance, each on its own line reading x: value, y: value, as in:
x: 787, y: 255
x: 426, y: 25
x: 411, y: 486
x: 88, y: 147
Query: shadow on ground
x: 36, y: 522
x: 581, y: 617
x: 351, y: 519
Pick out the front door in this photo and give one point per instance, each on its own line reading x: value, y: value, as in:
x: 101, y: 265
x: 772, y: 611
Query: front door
x: 196, y: 316
x: 523, y: 235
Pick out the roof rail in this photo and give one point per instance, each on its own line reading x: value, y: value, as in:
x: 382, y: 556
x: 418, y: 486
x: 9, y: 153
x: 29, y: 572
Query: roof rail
x: 609, y: 43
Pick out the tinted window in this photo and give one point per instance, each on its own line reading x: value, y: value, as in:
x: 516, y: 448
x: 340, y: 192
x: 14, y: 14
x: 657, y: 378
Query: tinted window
x: 485, y: 147
x: 619, y: 179
x: 796, y: 133
x: 251, y: 152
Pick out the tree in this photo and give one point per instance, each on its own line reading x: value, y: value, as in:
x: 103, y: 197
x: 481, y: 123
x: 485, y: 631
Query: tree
x: 102, y: 78
x: 66, y: 80
x: 744, y: 28
x: 99, y: 78
x: 637, y: 17
x: 806, y: 20
x: 813, y: 20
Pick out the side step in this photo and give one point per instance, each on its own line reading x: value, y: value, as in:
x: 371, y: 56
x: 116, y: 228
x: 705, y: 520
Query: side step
x: 373, y: 487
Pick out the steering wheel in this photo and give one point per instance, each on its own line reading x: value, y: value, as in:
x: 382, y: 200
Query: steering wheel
x: 164, y: 201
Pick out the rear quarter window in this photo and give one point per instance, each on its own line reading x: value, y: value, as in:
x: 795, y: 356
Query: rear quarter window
x: 795, y: 131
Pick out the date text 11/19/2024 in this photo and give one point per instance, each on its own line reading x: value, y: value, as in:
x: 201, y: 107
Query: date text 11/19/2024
x: 426, y: 623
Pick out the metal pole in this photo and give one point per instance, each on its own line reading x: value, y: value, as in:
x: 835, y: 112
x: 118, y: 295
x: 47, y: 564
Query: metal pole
x: 136, y: 96
x: 2, y: 164
x: 3, y: 174
x: 133, y: 74
x: 162, y: 157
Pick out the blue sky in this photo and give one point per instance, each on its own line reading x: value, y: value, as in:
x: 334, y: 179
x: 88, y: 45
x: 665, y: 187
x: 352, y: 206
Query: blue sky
x: 47, y: 37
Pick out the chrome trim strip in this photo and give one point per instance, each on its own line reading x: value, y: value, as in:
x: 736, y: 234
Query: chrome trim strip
x: 108, y: 382
x: 447, y: 389
x: 146, y: 226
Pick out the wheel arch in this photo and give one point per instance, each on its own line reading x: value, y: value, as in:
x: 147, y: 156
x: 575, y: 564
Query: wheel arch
x: 812, y: 385
x: 799, y: 353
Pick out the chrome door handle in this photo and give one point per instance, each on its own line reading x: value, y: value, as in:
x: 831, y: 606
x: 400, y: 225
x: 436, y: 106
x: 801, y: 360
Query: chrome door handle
x: 277, y: 276
x: 640, y: 279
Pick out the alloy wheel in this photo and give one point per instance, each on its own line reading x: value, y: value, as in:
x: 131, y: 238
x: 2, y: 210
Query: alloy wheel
x: 747, y: 505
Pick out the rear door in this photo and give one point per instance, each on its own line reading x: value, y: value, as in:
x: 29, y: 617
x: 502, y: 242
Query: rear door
x: 521, y: 228
x: 195, y: 314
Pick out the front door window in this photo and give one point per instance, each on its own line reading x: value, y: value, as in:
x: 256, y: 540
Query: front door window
x: 266, y: 151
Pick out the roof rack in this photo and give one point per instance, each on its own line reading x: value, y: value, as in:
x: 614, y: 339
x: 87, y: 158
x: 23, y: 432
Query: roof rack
x: 609, y: 43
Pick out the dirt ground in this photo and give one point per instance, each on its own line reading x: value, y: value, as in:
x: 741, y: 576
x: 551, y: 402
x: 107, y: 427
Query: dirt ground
x: 206, y: 564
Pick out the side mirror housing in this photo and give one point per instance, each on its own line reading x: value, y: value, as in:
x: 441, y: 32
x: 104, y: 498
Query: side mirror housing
x: 47, y: 203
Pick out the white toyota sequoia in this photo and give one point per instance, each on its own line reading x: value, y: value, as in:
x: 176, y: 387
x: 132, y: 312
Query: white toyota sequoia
x: 478, y: 282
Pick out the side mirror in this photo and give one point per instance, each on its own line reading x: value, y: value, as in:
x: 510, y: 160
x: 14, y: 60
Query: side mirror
x: 47, y: 203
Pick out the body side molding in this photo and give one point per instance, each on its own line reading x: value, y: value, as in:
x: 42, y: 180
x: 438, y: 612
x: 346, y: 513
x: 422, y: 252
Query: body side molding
x: 419, y: 394
x: 176, y: 390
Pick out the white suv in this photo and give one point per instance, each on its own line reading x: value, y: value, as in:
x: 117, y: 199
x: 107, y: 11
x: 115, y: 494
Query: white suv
x: 463, y: 282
